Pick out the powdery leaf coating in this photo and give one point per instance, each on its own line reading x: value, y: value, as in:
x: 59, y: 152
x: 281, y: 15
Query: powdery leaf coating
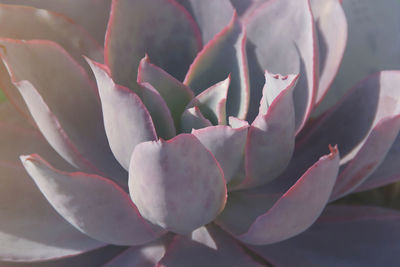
x: 176, y: 184
x: 176, y: 94
x: 349, y: 123
x: 44, y: 25
x: 372, y: 45
x: 204, y: 12
x: 212, y: 102
x: 387, y: 172
x: 358, y: 236
x: 147, y: 255
x: 94, y: 22
x: 186, y: 252
x: 224, y: 55
x: 369, y: 157
x: 227, y: 146
x: 93, y: 204
x: 63, y: 83
x: 149, y: 31
x: 126, y: 126
x: 159, y: 111
x: 292, y: 23
x: 30, y: 229
x: 192, y: 118
x: 271, y: 138
x: 331, y: 27
x: 288, y: 216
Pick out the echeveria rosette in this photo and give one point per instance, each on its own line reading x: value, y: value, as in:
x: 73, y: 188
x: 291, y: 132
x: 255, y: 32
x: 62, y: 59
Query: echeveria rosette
x: 181, y: 146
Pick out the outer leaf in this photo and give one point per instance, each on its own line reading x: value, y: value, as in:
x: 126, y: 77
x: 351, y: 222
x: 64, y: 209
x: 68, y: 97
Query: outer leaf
x: 30, y: 229
x: 149, y: 31
x: 271, y: 135
x: 373, y: 99
x: 343, y: 236
x: 292, y: 24
x: 387, y: 172
x: 212, y: 102
x: 369, y: 157
x: 176, y: 184
x: 288, y: 216
x: 93, y: 204
x: 79, y: 137
x: 185, y: 252
x: 92, y: 258
x: 129, y: 124
x: 95, y: 21
x: 372, y: 44
x: 47, y: 26
x: 192, y: 118
x: 144, y: 256
x: 227, y: 146
x: 223, y: 55
x: 211, y: 16
x: 175, y: 94
x: 331, y: 26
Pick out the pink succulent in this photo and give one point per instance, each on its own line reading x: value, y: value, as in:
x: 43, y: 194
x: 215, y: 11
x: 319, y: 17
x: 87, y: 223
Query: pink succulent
x: 177, y: 144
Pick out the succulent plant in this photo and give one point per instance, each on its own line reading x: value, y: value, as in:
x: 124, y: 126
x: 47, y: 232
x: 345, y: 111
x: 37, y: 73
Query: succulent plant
x: 204, y: 133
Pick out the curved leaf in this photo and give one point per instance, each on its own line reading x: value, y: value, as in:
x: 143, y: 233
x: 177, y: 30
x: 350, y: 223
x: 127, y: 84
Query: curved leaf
x: 291, y: 214
x: 93, y: 204
x: 343, y: 236
x: 282, y: 39
x: 224, y: 55
x: 65, y: 105
x: 192, y: 118
x: 227, y: 145
x: 176, y: 94
x: 161, y: 28
x: 126, y: 126
x: 95, y: 21
x: 271, y: 135
x: 176, y: 184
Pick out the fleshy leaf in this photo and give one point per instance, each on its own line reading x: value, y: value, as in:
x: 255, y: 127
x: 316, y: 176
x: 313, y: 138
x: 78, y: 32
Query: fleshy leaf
x: 149, y: 31
x: 224, y: 55
x: 236, y: 122
x: 95, y: 257
x: 94, y: 21
x: 147, y: 255
x: 368, y: 158
x: 372, y: 33
x: 343, y: 236
x: 175, y: 94
x: 159, y: 111
x: 30, y: 229
x: 387, y: 172
x: 129, y: 124
x: 93, y: 204
x: 43, y: 25
x: 212, y: 102
x: 211, y: 16
x: 227, y: 145
x: 291, y: 23
x: 186, y: 252
x: 176, y: 184
x: 75, y: 133
x: 288, y: 216
x: 349, y: 123
x: 271, y: 135
x: 331, y: 26
x: 192, y: 118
